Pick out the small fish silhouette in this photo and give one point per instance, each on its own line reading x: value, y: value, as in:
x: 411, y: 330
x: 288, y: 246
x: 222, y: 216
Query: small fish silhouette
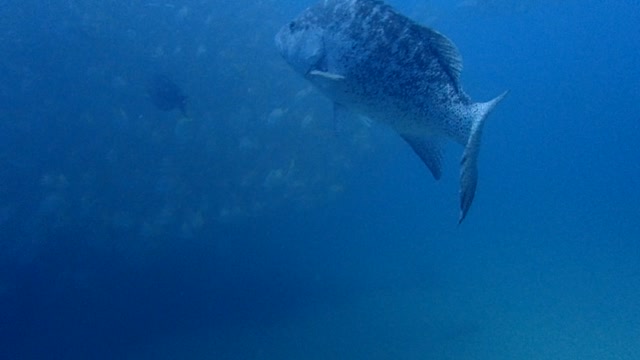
x: 166, y: 95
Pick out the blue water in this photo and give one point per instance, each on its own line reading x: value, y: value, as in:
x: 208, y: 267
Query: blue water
x: 252, y: 230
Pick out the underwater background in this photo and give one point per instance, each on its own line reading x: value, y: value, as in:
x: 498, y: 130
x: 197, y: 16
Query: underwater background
x: 245, y: 227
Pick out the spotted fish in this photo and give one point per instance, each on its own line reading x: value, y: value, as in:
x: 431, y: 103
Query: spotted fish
x: 370, y: 59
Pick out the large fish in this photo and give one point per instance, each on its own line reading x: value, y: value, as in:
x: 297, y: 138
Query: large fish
x: 372, y: 60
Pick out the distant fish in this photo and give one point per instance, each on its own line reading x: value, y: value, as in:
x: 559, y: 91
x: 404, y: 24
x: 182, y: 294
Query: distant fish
x: 166, y: 95
x: 370, y: 59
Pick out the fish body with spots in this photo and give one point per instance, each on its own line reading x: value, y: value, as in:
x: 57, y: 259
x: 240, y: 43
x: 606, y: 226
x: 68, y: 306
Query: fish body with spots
x: 371, y: 60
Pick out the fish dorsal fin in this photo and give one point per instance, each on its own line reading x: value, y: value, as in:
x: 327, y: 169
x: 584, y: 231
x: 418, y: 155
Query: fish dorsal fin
x: 429, y: 151
x: 448, y: 52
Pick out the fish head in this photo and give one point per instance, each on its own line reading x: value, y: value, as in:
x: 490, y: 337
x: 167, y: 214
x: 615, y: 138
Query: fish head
x: 301, y: 42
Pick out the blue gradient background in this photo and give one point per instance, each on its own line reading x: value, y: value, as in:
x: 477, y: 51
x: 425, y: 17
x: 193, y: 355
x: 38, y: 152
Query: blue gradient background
x: 253, y: 231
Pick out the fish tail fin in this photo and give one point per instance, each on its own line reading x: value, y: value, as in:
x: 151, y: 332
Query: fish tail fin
x: 469, y: 161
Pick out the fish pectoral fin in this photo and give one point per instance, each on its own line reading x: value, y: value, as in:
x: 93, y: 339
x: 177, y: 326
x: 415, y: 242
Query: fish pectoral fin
x: 429, y: 151
x: 326, y: 75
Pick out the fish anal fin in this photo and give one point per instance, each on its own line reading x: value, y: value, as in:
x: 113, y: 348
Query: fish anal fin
x: 429, y: 151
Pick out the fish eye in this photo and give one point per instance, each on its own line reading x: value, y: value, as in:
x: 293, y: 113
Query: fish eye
x: 293, y: 26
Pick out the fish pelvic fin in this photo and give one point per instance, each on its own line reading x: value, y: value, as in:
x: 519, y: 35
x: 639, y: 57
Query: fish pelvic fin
x: 469, y: 161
